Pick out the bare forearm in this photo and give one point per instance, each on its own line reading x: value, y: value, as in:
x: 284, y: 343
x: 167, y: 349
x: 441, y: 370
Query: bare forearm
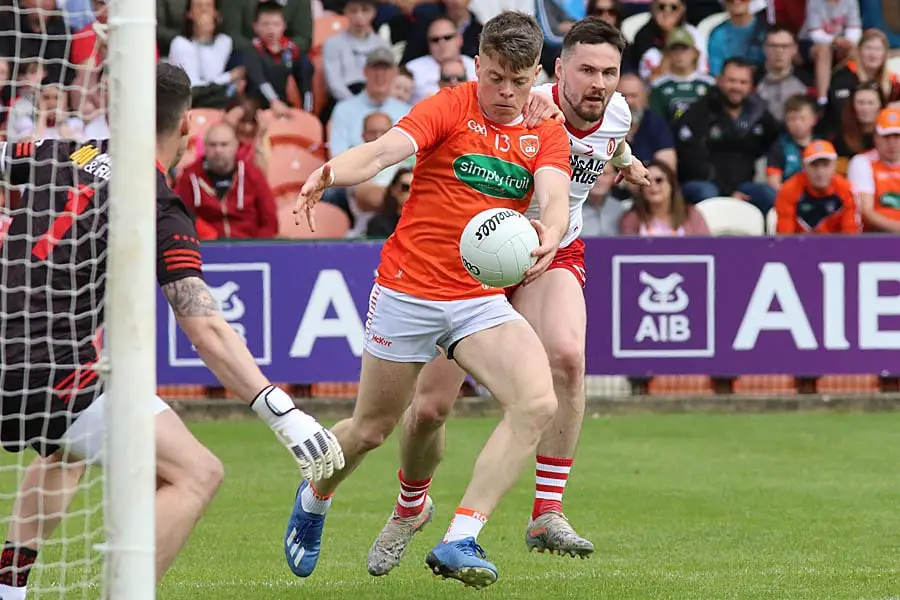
x: 555, y: 212
x: 356, y: 165
x: 223, y: 351
x: 879, y: 222
x: 220, y: 348
x: 362, y: 163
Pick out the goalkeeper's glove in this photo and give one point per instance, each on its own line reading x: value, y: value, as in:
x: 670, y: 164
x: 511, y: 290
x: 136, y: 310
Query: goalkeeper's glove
x: 313, y: 447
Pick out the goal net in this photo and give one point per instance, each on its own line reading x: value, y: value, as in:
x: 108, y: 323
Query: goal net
x: 77, y: 529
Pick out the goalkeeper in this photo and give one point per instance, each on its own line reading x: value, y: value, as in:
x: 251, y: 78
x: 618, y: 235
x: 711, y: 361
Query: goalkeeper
x: 52, y: 298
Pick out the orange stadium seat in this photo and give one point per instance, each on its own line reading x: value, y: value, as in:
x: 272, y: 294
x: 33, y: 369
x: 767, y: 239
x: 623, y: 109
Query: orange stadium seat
x: 326, y: 26
x: 300, y: 128
x: 331, y: 221
x: 289, y: 166
x: 202, y: 119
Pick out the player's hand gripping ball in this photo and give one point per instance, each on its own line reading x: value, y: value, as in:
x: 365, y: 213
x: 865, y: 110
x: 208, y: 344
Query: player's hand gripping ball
x: 496, y: 247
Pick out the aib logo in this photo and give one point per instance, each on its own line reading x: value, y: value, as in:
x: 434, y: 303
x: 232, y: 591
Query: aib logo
x: 663, y: 306
x: 663, y: 302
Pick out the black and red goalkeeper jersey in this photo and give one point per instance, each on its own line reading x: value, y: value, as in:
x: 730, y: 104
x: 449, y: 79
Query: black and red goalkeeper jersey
x: 53, y: 258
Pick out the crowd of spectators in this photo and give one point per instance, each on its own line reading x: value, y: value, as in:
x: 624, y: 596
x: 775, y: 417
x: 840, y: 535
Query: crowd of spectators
x: 785, y: 104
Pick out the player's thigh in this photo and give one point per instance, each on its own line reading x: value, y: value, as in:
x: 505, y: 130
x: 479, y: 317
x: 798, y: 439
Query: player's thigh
x: 437, y: 388
x: 180, y: 457
x: 554, y: 306
x: 401, y: 335
x: 503, y: 352
x: 85, y: 437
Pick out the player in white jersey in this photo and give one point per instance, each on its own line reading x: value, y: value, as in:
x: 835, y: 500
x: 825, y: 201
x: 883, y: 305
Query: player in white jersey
x: 598, y: 120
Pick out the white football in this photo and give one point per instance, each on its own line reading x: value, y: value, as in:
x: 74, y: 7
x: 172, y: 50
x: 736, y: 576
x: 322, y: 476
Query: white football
x: 496, y: 247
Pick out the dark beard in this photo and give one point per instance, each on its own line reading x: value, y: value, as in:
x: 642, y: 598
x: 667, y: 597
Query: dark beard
x: 590, y: 118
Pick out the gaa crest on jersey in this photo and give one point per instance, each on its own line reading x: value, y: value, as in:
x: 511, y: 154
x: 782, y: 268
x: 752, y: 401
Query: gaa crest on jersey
x: 529, y: 144
x: 610, y: 146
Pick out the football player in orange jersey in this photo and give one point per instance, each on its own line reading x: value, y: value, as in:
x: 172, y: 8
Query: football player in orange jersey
x: 597, y: 121
x: 473, y: 153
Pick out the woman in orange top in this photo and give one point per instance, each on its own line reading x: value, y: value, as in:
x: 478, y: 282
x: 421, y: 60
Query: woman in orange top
x: 817, y: 200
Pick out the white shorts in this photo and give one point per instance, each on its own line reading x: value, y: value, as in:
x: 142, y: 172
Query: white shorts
x: 84, y: 438
x: 403, y: 328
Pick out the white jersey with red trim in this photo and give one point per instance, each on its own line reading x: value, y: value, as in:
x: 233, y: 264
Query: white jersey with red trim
x: 590, y: 150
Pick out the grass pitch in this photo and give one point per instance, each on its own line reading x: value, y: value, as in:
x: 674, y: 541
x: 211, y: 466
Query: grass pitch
x: 779, y: 507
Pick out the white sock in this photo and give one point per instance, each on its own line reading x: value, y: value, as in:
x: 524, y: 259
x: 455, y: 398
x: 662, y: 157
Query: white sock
x: 8, y: 592
x: 465, y: 523
x: 310, y: 502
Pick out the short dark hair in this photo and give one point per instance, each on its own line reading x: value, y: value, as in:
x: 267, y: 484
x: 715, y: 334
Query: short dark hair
x: 173, y: 97
x: 514, y: 39
x: 738, y: 61
x: 798, y: 102
x: 774, y: 29
x: 268, y: 7
x: 593, y: 30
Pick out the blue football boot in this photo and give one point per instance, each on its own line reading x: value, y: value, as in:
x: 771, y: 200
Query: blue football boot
x: 303, y: 538
x: 463, y: 560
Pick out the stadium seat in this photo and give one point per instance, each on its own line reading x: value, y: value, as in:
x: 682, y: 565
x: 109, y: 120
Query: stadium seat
x: 633, y: 24
x: 289, y: 166
x: 894, y: 65
x: 300, y: 128
x: 326, y: 26
x: 202, y: 119
x: 772, y: 222
x: 331, y: 221
x: 731, y: 216
x: 705, y: 27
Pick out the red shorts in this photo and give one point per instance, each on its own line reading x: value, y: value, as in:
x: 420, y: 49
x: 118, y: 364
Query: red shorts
x: 570, y: 258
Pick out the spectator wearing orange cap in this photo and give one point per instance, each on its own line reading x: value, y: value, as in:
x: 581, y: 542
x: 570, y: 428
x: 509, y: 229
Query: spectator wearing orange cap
x: 875, y: 176
x: 817, y: 199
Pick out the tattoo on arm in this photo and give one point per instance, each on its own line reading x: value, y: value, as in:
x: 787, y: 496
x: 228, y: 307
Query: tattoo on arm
x: 189, y: 297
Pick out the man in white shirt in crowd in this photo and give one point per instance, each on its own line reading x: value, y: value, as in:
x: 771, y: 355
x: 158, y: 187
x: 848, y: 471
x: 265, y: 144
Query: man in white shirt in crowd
x: 348, y: 115
x: 444, y: 44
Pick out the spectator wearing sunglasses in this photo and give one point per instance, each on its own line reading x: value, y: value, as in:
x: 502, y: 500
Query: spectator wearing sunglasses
x: 666, y: 15
x: 611, y: 12
x: 444, y: 44
x: 457, y: 11
x: 453, y: 73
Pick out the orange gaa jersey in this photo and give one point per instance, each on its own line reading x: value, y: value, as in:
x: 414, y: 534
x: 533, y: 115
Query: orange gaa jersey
x: 464, y: 164
x: 802, y: 209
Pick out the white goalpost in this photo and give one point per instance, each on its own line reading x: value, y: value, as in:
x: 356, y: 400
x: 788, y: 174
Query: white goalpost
x: 130, y: 337
x: 104, y: 545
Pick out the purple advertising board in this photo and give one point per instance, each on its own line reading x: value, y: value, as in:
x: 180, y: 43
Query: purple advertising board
x: 713, y: 306
x: 805, y: 305
x: 300, y: 307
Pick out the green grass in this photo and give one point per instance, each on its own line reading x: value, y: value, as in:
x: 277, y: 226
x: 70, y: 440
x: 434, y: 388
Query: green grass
x: 784, y: 506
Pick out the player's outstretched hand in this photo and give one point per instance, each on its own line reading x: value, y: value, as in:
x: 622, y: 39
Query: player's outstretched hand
x: 549, y: 239
x: 310, y: 194
x: 636, y: 173
x: 315, y: 449
x: 539, y: 108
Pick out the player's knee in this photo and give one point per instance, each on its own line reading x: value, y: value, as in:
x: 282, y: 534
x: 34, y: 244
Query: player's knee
x: 372, y: 434
x: 538, y: 408
x: 567, y: 364
x: 207, y: 474
x: 429, y: 412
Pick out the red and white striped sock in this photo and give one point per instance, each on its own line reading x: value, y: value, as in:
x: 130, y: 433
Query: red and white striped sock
x: 550, y: 483
x: 466, y: 523
x: 411, y: 500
